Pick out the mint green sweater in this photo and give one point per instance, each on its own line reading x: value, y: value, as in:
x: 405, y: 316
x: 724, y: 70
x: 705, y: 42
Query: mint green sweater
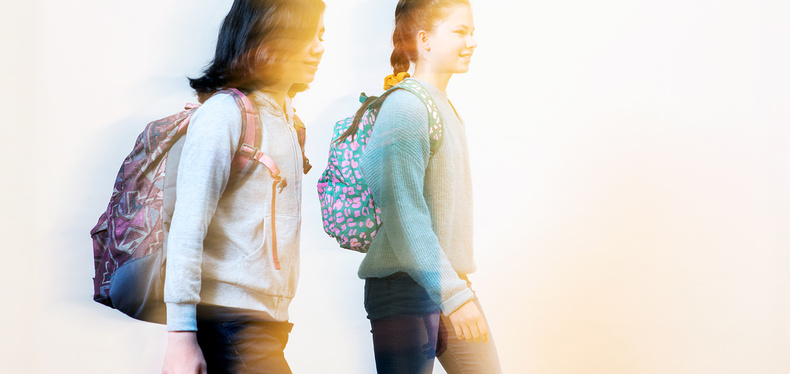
x: 426, y: 201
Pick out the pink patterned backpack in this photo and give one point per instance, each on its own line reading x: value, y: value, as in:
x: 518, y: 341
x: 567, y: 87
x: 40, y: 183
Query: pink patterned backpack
x: 129, y: 241
x: 349, y: 213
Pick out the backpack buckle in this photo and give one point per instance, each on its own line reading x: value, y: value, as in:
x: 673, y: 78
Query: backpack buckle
x: 260, y: 157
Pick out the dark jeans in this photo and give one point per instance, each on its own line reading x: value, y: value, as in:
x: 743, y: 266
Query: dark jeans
x: 409, y: 331
x: 236, y: 341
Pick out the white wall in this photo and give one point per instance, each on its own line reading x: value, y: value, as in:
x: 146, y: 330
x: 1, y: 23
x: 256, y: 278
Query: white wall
x: 631, y: 162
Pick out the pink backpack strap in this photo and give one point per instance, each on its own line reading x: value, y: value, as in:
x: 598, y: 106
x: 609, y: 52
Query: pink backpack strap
x: 254, y: 153
x: 249, y: 150
x: 249, y: 129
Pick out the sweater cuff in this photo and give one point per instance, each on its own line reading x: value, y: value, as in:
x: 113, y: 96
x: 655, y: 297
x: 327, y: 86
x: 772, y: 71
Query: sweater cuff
x: 181, y: 317
x: 452, y: 304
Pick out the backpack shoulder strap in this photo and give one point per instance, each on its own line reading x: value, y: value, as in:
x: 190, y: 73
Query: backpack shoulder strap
x: 250, y: 143
x: 301, y: 132
x: 435, y: 127
x: 249, y: 131
x: 250, y: 150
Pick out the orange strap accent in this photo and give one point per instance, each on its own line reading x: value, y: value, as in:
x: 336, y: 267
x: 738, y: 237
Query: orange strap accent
x: 275, y: 259
x: 257, y: 155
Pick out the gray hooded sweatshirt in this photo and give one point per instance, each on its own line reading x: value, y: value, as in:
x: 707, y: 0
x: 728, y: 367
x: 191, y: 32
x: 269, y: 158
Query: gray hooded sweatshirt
x: 219, y: 243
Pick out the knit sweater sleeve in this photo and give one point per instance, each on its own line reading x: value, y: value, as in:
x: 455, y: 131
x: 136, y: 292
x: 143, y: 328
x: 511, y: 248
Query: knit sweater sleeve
x: 394, y: 165
x: 203, y: 172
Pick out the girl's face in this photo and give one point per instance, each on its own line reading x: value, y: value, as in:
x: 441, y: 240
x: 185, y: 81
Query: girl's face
x: 302, y: 65
x: 451, y: 43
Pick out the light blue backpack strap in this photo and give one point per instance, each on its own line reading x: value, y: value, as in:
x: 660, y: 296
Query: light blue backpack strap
x: 435, y: 126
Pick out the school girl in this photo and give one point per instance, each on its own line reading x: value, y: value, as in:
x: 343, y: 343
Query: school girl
x: 228, y: 285
x: 417, y: 295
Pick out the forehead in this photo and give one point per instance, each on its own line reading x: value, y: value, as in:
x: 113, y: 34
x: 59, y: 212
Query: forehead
x: 457, y: 16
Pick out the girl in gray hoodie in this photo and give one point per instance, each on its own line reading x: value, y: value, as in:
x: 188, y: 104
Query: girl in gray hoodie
x: 228, y: 283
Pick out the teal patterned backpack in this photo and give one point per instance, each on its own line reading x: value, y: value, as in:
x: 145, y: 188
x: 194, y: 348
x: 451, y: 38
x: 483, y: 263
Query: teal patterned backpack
x: 349, y: 213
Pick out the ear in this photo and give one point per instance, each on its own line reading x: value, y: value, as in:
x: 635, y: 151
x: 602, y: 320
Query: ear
x: 423, y: 41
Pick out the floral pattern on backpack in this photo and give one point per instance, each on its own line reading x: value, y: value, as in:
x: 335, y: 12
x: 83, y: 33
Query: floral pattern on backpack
x: 347, y: 208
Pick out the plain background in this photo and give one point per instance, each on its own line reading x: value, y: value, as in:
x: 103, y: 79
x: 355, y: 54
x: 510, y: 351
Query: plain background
x: 631, y: 166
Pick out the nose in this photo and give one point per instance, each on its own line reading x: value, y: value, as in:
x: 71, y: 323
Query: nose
x: 471, y: 43
x: 317, y: 49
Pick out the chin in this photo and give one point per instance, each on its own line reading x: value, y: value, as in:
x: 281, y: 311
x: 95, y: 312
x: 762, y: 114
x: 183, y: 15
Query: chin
x: 462, y: 69
x: 307, y: 79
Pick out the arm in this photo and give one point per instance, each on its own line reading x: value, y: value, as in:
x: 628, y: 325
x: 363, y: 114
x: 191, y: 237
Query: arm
x: 394, y: 165
x: 203, y: 173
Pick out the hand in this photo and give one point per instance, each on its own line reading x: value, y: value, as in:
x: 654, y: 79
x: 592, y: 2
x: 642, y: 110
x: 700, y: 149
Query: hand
x: 183, y: 355
x: 469, y: 323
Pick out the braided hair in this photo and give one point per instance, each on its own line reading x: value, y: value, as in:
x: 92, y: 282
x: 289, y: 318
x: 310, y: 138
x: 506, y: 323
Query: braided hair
x: 412, y: 16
